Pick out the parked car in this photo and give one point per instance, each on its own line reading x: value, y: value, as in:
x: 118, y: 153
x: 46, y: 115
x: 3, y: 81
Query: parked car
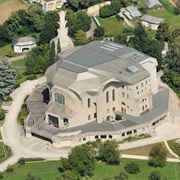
x: 7, y: 103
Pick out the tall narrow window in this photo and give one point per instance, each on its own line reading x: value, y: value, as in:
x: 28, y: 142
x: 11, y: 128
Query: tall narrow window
x: 113, y: 95
x: 59, y: 98
x: 89, y: 102
x: 107, y: 97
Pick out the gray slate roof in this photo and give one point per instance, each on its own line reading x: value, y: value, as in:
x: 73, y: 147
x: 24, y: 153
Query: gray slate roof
x: 152, y: 19
x: 29, y: 40
x: 104, y: 59
x: 151, y: 3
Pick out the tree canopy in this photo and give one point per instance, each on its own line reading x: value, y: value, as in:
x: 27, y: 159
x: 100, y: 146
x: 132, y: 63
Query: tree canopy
x: 109, y: 152
x: 80, y: 38
x: 7, y: 79
x: 157, y: 156
x: 81, y: 160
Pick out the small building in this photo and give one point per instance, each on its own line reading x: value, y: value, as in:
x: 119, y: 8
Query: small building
x: 152, y: 4
x: 134, y: 13
x: 50, y: 5
x: 23, y: 43
x: 151, y: 22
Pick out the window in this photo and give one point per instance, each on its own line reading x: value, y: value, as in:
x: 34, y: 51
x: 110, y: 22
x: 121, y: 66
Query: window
x: 95, y: 115
x: 137, y: 87
x: 89, y: 117
x: 127, y: 96
x: 146, y: 82
x: 113, y: 95
x: 107, y: 97
x: 103, y: 137
x: 123, y: 103
x: 114, y: 109
x: 141, y: 84
x: 129, y: 132
x: 53, y: 121
x: 84, y: 139
x: 110, y: 136
x: 59, y: 98
x: 122, y: 86
x: 89, y: 102
x: 66, y: 121
x: 96, y: 137
x: 123, y: 134
x: 123, y: 94
x: 135, y: 131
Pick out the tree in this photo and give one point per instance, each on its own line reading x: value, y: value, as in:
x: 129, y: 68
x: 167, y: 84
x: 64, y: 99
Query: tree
x: 7, y: 79
x: 37, y: 60
x: 83, y: 21
x: 106, y: 11
x: 163, y: 33
x: 121, y: 176
x: 80, y: 161
x: 157, y: 156
x: 99, y: 31
x: 36, y: 16
x: 58, y: 46
x: 120, y: 38
x: 68, y: 175
x: 50, y: 27
x: 132, y: 168
x: 155, y: 175
x: 116, y: 6
x: 109, y: 152
x: 1, y: 175
x: 80, y: 38
x: 31, y: 177
x: 52, y: 53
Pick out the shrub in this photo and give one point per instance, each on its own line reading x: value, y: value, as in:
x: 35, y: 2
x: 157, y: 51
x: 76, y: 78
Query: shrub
x: 118, y: 117
x: 1, y: 175
x: 21, y: 161
x: 155, y: 175
x: 132, y: 168
x: 31, y: 77
x: 121, y: 176
x: 9, y: 168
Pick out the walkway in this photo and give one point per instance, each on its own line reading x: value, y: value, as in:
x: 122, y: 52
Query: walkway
x: 17, y: 58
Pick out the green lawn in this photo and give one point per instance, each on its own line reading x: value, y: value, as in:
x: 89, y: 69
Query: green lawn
x: 49, y: 170
x: 1, y: 149
x: 170, y: 18
x: 175, y: 147
x: 20, y: 62
x: 8, y: 51
x: 112, y: 26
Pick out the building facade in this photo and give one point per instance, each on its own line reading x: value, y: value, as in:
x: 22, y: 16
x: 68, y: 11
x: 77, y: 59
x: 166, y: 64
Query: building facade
x: 88, y: 86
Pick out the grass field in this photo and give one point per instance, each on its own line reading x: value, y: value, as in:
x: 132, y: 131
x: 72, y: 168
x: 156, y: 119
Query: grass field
x: 112, y: 26
x: 19, y: 66
x: 170, y: 18
x: 8, y: 51
x: 175, y: 147
x: 49, y: 170
x: 144, y: 151
x: 9, y: 6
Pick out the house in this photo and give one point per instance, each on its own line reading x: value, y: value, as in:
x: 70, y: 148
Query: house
x: 85, y: 90
x: 132, y: 12
x: 152, y: 4
x: 50, y: 5
x: 23, y: 43
x: 151, y: 22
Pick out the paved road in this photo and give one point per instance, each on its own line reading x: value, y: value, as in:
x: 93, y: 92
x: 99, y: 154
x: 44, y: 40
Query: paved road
x: 17, y: 58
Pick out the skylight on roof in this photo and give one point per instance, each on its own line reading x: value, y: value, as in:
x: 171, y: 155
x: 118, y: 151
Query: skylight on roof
x: 136, y: 55
x: 132, y: 69
x: 111, y: 47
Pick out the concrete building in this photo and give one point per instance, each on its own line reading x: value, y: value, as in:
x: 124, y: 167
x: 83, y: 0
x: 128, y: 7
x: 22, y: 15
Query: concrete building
x: 131, y: 12
x: 87, y: 87
x: 151, y: 22
x: 23, y: 43
x: 50, y: 5
x: 152, y: 4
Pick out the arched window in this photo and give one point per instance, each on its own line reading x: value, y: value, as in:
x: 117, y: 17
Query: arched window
x: 89, y: 102
x: 113, y: 95
x: 59, y: 98
x: 107, y: 97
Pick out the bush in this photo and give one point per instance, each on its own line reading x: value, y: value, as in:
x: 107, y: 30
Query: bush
x: 21, y: 161
x: 118, y: 117
x: 99, y: 31
x: 9, y: 168
x: 121, y: 176
x: 1, y: 175
x: 2, y: 114
x: 31, y: 77
x: 132, y: 168
x: 155, y: 175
